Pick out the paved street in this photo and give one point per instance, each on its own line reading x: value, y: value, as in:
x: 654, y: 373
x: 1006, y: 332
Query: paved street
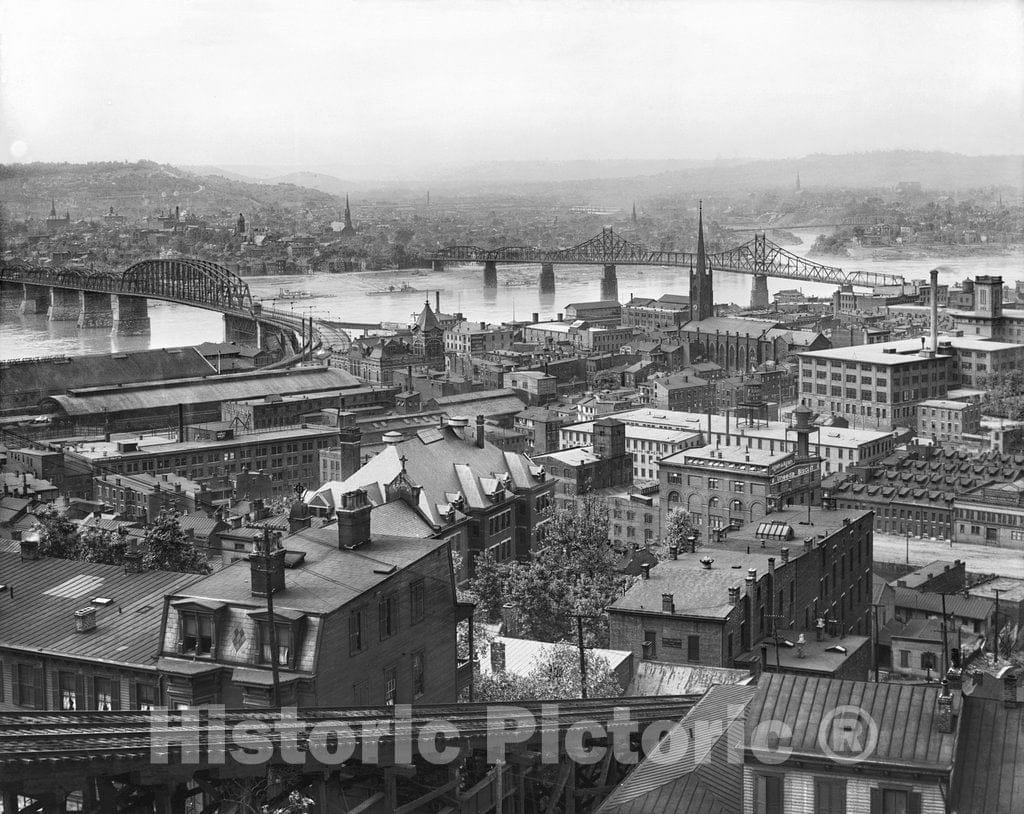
x: 979, y: 558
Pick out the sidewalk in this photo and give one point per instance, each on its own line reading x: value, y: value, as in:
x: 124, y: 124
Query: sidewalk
x: 981, y: 559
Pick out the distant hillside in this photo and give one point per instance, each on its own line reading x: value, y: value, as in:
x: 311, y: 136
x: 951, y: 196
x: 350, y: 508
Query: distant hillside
x: 315, y: 180
x: 143, y: 188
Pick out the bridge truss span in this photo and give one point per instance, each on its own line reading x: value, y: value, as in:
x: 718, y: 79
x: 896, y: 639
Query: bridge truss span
x: 198, y: 282
x: 759, y: 256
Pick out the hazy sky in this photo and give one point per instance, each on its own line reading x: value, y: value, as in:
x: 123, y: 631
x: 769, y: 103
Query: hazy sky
x: 378, y: 86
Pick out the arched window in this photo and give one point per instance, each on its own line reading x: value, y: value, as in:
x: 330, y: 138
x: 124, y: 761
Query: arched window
x: 673, y: 497
x: 713, y: 503
x: 736, y: 506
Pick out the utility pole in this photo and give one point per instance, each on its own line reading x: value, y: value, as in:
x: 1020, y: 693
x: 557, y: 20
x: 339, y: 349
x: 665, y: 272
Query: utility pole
x: 268, y: 586
x: 995, y: 627
x: 583, y: 657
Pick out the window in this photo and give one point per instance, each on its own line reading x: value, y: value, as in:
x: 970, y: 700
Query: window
x: 355, y: 631
x: 416, y: 602
x: 737, y: 486
x: 904, y: 658
x: 106, y: 694
x: 285, y: 635
x: 418, y: 676
x: 29, y: 687
x: 145, y: 697
x: 650, y: 644
x: 197, y: 633
x: 768, y: 793
x: 387, y: 612
x: 693, y: 648
x: 829, y: 796
x: 390, y: 686
x: 895, y: 801
x: 712, y: 483
x: 70, y: 692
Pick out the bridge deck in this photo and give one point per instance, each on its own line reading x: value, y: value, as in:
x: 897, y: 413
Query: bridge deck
x: 33, y: 745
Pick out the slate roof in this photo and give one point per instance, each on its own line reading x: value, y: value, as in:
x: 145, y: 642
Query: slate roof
x: 956, y: 604
x: 482, y: 402
x: 990, y: 762
x: 702, y: 780
x: 444, y: 464
x: 148, y: 396
x: 47, y: 592
x: 905, y: 714
x: 662, y: 678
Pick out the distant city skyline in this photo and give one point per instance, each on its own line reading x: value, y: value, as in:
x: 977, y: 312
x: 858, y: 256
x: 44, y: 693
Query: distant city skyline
x: 390, y: 89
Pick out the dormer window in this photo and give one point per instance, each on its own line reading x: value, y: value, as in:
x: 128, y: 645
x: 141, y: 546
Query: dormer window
x: 197, y: 627
x: 287, y: 631
x: 197, y: 633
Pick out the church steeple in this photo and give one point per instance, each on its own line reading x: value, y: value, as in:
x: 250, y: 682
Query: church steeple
x: 634, y: 213
x: 348, y: 228
x: 702, y: 296
x: 53, y: 208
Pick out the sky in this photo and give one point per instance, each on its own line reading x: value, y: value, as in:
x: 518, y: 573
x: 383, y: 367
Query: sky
x: 383, y: 87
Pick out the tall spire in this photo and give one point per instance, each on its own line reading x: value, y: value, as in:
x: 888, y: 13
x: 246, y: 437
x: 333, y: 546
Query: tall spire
x: 634, y: 212
x: 53, y: 208
x: 348, y: 229
x: 701, y: 257
x: 702, y: 296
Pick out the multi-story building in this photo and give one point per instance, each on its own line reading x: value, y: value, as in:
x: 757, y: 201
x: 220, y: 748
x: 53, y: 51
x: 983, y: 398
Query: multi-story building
x: 533, y: 386
x: 681, y: 391
x: 288, y: 457
x: 542, y: 426
x: 838, y: 448
x: 647, y: 445
x: 453, y: 473
x: 581, y: 470
x: 141, y: 498
x: 477, y: 338
x: 359, y: 619
x: 667, y: 312
x: 992, y: 514
x: 633, y: 515
x: 733, y: 486
x: 944, y: 420
x: 797, y: 570
x: 83, y: 636
x: 275, y: 410
x: 580, y: 336
x: 597, y: 312
x: 985, y: 315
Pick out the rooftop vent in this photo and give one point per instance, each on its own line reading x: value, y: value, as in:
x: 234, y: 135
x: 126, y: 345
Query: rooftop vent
x: 85, y: 620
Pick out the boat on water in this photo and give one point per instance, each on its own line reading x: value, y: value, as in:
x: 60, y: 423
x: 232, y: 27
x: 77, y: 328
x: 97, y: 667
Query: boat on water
x: 290, y: 294
x: 404, y: 288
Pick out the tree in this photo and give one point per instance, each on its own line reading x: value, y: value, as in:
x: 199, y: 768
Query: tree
x: 574, y: 573
x: 168, y: 549
x: 58, y: 536
x: 98, y: 545
x: 677, y: 531
x: 556, y: 676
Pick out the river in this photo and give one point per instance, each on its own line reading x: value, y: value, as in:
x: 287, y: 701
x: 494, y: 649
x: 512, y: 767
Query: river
x: 349, y: 297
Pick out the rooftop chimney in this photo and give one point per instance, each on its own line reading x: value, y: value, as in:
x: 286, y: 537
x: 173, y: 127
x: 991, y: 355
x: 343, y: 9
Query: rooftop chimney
x: 354, y: 519
x: 645, y: 571
x: 785, y: 554
x: 1010, y: 690
x: 480, y: 431
x: 510, y: 619
x: 85, y: 620
x: 734, y: 595
x: 266, y: 564
x: 668, y: 604
x: 944, y: 709
x: 673, y: 552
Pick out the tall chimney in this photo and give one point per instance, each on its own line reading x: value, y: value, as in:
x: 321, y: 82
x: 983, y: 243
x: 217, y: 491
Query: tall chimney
x: 266, y: 564
x: 480, y: 431
x: 350, y: 443
x: 944, y: 709
x: 935, y: 310
x: 437, y: 302
x: 181, y: 423
x: 354, y: 519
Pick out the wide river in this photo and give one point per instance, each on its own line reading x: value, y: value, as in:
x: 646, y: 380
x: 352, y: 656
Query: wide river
x: 350, y: 297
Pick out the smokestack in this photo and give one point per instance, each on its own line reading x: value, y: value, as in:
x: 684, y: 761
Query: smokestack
x: 437, y: 302
x: 935, y: 310
x: 181, y: 423
x: 408, y: 372
x: 480, y: 431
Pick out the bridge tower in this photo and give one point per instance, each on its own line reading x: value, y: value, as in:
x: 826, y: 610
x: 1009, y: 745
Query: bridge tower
x: 759, y: 287
x: 609, y: 283
x: 547, y: 278
x: 490, y: 274
x: 702, y: 296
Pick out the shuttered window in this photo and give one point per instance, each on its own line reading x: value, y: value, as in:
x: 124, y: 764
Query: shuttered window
x: 829, y: 796
x: 895, y: 801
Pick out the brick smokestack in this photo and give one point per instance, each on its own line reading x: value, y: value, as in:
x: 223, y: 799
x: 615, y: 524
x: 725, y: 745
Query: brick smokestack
x: 480, y: 431
x: 935, y: 310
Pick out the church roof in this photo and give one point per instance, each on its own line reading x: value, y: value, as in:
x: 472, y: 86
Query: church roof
x: 427, y: 321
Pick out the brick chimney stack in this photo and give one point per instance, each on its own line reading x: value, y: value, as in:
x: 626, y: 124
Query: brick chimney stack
x: 266, y: 564
x: 1010, y: 690
x: 354, y: 519
x: 944, y: 709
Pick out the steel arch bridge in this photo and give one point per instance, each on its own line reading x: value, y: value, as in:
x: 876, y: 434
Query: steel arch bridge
x: 758, y: 256
x: 188, y: 281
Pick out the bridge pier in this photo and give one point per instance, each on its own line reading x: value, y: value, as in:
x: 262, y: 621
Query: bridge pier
x: 437, y: 265
x: 490, y: 274
x: 11, y: 296
x: 609, y: 283
x: 131, y: 316
x: 241, y: 330
x: 759, y: 293
x: 95, y: 310
x: 547, y: 278
x: 63, y: 305
x: 35, y: 299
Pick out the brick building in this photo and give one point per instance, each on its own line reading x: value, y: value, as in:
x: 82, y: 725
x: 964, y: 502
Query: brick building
x: 602, y: 464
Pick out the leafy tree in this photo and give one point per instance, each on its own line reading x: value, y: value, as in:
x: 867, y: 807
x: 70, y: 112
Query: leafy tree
x: 168, y: 549
x: 58, y: 536
x: 1004, y: 394
x: 556, y: 676
x: 97, y: 545
x: 575, y: 573
x: 677, y: 531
